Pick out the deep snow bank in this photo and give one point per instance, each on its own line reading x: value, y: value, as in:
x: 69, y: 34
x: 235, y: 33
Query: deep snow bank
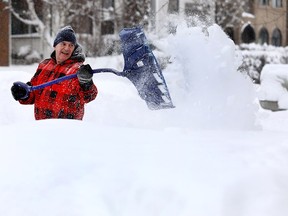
x: 60, y: 167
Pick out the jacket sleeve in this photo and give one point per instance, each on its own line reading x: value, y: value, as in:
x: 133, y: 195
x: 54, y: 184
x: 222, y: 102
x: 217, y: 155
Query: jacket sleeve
x: 31, y: 97
x: 90, y: 91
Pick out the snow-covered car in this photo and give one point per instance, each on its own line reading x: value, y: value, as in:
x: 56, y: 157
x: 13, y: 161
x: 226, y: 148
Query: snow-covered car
x: 273, y: 93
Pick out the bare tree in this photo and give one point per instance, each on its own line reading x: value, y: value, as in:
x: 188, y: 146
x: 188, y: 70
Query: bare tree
x: 29, y: 16
x: 54, y: 14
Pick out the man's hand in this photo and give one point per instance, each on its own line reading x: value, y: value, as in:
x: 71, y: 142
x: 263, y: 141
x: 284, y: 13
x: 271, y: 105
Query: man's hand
x: 85, y: 74
x: 20, y: 91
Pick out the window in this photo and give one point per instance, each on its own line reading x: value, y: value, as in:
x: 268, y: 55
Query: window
x: 21, y: 8
x: 277, y: 3
x: 248, y: 35
x: 276, y: 37
x: 263, y: 36
x: 173, y: 6
x: 264, y: 2
x: 83, y: 27
x: 107, y: 27
x: 108, y: 4
x: 19, y: 27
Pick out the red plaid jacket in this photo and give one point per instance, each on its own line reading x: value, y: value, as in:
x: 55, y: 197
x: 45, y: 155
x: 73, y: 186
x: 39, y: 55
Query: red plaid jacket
x: 65, y: 99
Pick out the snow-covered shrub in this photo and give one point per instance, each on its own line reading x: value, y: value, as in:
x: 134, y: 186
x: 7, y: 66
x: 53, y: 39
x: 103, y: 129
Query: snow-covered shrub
x: 255, y: 56
x: 33, y: 56
x: 26, y: 55
x: 24, y: 51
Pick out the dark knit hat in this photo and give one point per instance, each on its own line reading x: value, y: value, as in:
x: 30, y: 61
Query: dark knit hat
x: 65, y: 34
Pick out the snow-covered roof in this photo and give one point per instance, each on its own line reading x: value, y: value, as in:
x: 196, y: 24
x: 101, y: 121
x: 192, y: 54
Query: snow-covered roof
x: 248, y: 15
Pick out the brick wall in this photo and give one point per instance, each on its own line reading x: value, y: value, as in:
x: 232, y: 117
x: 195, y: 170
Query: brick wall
x: 4, y: 36
x: 271, y: 18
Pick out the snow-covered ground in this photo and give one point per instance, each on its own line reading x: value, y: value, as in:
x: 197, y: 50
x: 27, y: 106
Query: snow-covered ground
x: 217, y: 153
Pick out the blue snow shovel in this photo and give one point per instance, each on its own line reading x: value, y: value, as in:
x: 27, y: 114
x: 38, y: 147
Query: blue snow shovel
x: 140, y: 67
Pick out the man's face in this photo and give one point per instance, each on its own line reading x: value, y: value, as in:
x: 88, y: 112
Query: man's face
x: 63, y: 51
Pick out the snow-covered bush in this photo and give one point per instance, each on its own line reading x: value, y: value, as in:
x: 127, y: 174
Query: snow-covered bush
x: 255, y: 56
x: 24, y: 50
x: 33, y: 56
x: 26, y: 55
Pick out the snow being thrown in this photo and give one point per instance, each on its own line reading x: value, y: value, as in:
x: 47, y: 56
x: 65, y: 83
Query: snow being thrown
x: 206, y: 86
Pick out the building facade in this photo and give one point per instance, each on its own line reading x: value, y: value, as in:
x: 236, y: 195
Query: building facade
x: 4, y: 36
x: 270, y: 22
x: 265, y: 23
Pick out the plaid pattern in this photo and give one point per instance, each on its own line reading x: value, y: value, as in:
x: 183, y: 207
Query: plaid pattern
x: 62, y: 100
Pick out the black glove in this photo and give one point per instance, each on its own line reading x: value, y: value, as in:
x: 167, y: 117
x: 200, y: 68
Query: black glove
x: 85, y: 74
x: 20, y: 91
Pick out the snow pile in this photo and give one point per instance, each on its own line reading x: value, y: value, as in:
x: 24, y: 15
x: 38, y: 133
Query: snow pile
x: 58, y: 167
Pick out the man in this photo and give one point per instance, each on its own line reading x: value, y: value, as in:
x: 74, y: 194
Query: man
x: 66, y: 99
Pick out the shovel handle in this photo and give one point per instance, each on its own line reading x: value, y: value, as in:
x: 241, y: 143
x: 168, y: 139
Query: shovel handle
x: 72, y: 76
